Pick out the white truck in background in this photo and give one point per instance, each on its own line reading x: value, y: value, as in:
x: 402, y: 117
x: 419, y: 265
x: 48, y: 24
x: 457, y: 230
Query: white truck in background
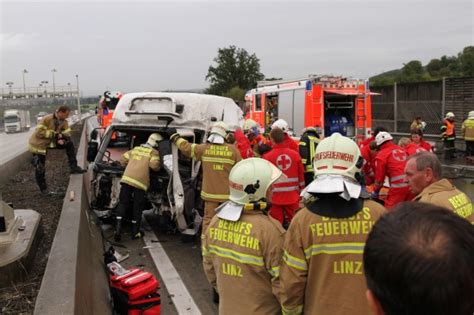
x: 16, y: 120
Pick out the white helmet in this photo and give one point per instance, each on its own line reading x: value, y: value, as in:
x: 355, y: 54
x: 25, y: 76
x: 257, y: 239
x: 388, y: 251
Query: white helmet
x: 220, y: 128
x: 337, y: 155
x: 153, y: 139
x: 281, y: 124
x: 449, y: 115
x: 471, y: 114
x: 382, y: 137
x: 249, y: 124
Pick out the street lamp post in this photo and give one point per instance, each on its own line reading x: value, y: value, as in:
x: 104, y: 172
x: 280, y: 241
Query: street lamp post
x: 54, y: 83
x: 78, y: 95
x: 24, y: 84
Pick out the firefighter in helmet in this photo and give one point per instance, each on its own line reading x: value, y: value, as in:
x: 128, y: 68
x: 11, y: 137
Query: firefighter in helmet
x: 246, y: 273
x: 322, y: 271
x: 283, y: 125
x: 258, y: 142
x: 448, y: 134
x: 218, y: 157
x: 135, y: 182
x: 307, y: 147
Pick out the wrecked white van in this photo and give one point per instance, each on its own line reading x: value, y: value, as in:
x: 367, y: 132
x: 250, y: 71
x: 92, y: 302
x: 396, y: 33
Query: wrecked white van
x: 174, y: 192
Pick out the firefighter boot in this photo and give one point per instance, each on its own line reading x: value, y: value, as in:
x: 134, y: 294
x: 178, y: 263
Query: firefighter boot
x: 118, y: 229
x: 74, y: 169
x: 136, y: 231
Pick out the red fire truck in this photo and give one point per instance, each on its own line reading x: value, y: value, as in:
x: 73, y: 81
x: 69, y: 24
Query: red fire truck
x: 330, y: 103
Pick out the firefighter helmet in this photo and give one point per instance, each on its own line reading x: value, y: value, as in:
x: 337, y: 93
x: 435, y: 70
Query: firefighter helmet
x: 281, y: 124
x: 471, y: 114
x: 449, y: 115
x: 337, y: 155
x: 153, y: 139
x: 249, y: 181
x: 220, y: 128
x: 250, y: 124
x: 382, y: 137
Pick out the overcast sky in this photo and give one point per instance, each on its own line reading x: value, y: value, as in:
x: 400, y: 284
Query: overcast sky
x: 156, y: 45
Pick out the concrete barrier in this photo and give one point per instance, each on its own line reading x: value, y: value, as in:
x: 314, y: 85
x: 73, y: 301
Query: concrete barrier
x: 10, y: 168
x: 75, y: 281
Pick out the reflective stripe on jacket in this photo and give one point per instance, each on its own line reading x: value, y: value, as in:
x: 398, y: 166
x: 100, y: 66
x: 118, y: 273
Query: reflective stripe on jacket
x: 242, y: 260
x: 307, y: 149
x: 444, y: 194
x: 322, y: 271
x: 44, y: 136
x: 468, y: 129
x: 217, y: 161
x: 138, y: 162
x: 286, y: 191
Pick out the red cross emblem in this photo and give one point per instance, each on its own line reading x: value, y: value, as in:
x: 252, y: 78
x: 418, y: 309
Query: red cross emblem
x: 399, y: 155
x: 283, y: 162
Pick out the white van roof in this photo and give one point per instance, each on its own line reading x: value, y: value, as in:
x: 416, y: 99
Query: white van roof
x: 188, y: 110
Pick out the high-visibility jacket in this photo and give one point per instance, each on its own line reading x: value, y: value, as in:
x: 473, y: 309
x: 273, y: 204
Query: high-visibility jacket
x: 286, y: 191
x: 44, y: 136
x: 243, y: 144
x: 468, y: 129
x: 390, y: 161
x: 307, y: 149
x: 413, y: 148
x: 138, y: 163
x: 448, y: 131
x: 322, y: 270
x: 444, y: 194
x: 217, y: 161
x: 242, y: 261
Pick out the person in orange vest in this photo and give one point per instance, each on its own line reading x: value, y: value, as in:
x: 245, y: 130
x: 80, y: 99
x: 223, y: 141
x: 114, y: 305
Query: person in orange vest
x: 390, y: 161
x: 286, y: 193
x: 283, y: 125
x: 448, y: 134
x: 409, y: 146
x: 258, y: 142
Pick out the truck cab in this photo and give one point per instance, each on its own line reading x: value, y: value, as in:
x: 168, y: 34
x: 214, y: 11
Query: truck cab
x: 16, y: 120
x: 174, y: 190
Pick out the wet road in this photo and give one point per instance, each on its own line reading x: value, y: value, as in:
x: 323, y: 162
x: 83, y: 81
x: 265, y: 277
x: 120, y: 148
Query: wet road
x: 13, y: 144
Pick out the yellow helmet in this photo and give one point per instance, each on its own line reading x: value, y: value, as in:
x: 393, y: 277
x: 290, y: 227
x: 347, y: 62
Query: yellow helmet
x: 153, y: 139
x: 249, y: 181
x: 337, y: 155
x: 220, y: 128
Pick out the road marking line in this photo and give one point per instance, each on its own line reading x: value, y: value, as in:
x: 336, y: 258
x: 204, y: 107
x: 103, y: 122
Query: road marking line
x: 179, y: 294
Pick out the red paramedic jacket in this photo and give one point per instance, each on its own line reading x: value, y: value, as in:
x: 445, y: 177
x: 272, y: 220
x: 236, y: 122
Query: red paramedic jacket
x: 413, y: 148
x: 243, y: 144
x: 286, y: 191
x: 290, y: 143
x: 390, y: 161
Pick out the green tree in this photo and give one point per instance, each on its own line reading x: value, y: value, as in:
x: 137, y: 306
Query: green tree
x: 236, y: 93
x: 466, y: 60
x: 235, y: 67
x: 413, y: 71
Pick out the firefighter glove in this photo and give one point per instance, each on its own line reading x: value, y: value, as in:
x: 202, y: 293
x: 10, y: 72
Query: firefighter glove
x: 172, y: 133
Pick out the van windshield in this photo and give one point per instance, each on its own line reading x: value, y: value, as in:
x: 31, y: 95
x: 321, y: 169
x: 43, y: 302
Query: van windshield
x: 11, y: 119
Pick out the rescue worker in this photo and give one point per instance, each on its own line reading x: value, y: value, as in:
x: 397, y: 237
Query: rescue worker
x: 448, y: 134
x: 242, y: 246
x: 369, y: 152
x: 409, y: 146
x: 321, y: 271
x: 390, y: 161
x: 52, y: 132
x: 135, y: 182
x: 243, y: 144
x: 417, y: 124
x: 468, y: 133
x: 423, y: 172
x: 417, y: 138
x: 372, y: 137
x: 286, y: 194
x: 218, y: 158
x: 289, y: 142
x: 307, y: 147
x: 258, y: 141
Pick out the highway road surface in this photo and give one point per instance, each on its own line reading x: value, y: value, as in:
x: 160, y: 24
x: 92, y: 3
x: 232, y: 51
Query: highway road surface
x: 13, y: 144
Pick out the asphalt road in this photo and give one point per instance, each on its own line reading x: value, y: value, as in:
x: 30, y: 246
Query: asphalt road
x: 13, y: 144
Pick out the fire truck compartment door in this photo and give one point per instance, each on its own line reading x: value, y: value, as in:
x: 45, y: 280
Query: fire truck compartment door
x: 285, y: 107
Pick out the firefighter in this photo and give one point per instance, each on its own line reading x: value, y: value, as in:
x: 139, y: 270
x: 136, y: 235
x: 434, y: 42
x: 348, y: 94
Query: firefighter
x: 322, y: 271
x: 448, y: 134
x: 258, y: 141
x: 307, y: 147
x: 135, y: 182
x: 52, y: 132
x: 468, y: 133
x: 286, y: 195
x: 423, y: 172
x: 218, y: 158
x: 409, y: 146
x: 390, y: 161
x: 289, y: 142
x: 242, y: 246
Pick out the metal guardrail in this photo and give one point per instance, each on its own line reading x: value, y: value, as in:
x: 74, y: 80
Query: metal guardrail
x: 40, y: 91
